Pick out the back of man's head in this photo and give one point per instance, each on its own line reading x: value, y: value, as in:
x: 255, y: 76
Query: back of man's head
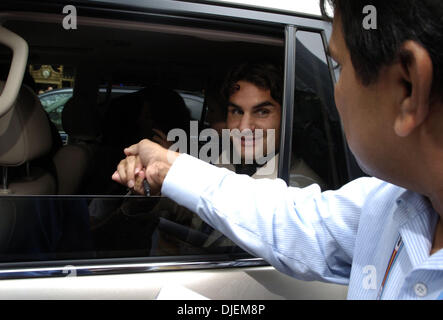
x: 396, y: 22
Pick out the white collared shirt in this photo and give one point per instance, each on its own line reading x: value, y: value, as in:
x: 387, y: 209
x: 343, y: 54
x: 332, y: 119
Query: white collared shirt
x: 345, y: 236
x: 300, y: 175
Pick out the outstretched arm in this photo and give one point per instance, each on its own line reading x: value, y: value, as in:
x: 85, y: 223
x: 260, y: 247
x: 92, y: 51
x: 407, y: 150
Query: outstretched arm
x: 301, y: 232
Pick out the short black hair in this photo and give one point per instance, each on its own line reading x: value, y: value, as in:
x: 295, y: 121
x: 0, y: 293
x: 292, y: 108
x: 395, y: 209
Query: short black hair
x: 397, y: 21
x: 264, y: 75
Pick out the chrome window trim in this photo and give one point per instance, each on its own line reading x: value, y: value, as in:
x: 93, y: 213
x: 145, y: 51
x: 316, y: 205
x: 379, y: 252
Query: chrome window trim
x: 194, y: 10
x: 215, y: 11
x: 288, y: 103
x: 125, y: 268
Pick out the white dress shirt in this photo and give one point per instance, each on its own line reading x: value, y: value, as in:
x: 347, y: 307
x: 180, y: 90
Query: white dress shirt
x: 346, y: 236
x: 300, y: 174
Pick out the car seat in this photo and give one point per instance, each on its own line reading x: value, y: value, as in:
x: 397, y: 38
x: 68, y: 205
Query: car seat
x: 75, y: 160
x: 25, y: 135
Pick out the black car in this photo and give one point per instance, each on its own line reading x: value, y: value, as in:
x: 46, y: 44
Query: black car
x: 62, y: 215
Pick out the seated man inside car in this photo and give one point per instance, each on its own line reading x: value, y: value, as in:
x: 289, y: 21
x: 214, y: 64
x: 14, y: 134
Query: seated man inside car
x: 252, y: 94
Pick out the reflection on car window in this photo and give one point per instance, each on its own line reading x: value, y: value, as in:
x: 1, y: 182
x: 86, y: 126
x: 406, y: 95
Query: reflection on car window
x: 53, y: 105
x: 316, y: 126
x: 48, y: 228
x: 88, y: 227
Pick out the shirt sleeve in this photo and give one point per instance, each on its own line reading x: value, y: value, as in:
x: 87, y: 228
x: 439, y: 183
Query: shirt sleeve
x: 302, y: 232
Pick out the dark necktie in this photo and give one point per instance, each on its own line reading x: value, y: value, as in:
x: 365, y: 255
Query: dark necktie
x: 248, y: 169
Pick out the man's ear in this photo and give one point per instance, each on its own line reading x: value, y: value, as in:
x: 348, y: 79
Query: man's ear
x: 417, y: 75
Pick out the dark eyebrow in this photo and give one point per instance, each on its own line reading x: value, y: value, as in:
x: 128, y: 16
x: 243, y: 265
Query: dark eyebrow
x: 264, y: 104
x: 231, y: 104
x: 258, y: 106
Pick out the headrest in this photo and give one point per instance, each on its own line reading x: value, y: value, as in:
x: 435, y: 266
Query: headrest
x: 79, y: 116
x: 77, y: 123
x: 25, y: 133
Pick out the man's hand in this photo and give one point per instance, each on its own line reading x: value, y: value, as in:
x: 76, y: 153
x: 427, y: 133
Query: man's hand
x: 145, y: 159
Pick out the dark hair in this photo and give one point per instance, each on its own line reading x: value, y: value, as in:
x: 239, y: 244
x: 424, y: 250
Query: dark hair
x: 397, y: 21
x: 167, y: 108
x: 163, y: 106
x: 263, y: 75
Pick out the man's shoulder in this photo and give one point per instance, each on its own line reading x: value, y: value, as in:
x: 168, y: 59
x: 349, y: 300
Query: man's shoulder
x: 379, y: 192
x: 376, y: 185
x: 367, y: 191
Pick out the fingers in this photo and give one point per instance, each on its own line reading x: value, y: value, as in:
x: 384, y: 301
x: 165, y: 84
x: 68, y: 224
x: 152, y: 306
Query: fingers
x: 138, y: 165
x: 121, y: 172
x: 126, y: 171
x: 145, y: 156
x: 116, y: 177
x: 138, y: 186
x: 132, y: 150
x: 151, y: 176
x: 155, y: 175
x: 135, y: 149
x: 148, y: 151
x: 129, y: 171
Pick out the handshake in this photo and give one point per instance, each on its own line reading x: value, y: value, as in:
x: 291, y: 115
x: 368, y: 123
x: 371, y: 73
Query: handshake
x: 145, y: 160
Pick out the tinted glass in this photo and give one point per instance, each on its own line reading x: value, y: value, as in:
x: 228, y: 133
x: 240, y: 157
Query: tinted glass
x: 317, y: 139
x: 48, y: 228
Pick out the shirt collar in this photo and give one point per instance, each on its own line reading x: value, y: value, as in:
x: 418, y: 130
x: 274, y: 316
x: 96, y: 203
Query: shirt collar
x: 411, y: 204
x: 417, y: 220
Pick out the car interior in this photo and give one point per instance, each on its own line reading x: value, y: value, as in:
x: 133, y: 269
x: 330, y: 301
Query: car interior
x: 159, y: 57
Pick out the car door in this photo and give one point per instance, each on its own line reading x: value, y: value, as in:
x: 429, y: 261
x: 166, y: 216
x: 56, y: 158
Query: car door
x: 148, y: 247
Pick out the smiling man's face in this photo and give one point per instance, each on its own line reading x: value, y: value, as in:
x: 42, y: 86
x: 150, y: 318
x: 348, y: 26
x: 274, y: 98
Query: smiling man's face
x: 251, y: 107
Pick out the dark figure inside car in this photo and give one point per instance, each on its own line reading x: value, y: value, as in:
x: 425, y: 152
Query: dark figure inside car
x: 149, y: 113
x: 131, y: 222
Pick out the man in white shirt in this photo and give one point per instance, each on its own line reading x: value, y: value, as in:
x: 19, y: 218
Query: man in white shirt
x: 383, y: 236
